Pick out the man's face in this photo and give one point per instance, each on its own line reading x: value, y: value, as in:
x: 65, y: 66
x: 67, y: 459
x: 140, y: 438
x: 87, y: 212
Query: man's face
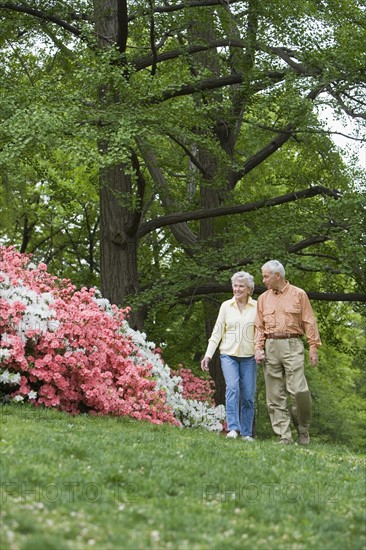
x: 270, y: 280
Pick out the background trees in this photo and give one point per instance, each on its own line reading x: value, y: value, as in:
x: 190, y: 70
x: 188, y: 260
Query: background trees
x: 117, y: 116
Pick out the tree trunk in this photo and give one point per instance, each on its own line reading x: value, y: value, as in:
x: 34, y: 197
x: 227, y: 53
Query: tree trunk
x: 118, y: 241
x: 211, y: 195
x: 118, y: 221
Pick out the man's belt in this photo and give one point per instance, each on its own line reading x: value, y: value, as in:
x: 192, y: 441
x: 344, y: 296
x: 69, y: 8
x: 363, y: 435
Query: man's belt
x: 282, y: 336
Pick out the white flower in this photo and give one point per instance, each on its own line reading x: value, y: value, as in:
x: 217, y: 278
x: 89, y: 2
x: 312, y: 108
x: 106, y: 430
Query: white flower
x: 39, y: 316
x: 191, y: 413
x: 18, y: 398
x: 5, y: 376
x: 10, y: 377
x: 4, y: 354
x: 7, y: 339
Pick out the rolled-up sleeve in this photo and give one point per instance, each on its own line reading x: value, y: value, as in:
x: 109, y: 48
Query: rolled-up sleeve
x: 260, y: 337
x: 309, y: 324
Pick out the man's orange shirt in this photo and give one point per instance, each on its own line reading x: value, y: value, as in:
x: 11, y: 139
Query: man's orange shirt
x: 287, y: 311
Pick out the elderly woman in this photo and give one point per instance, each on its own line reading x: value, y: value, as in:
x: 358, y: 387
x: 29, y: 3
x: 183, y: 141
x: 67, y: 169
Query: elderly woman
x: 234, y: 331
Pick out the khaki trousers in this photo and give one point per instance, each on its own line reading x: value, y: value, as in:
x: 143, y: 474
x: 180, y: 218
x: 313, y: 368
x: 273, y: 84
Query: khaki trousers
x: 283, y: 375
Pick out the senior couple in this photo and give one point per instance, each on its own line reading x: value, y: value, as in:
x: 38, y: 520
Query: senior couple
x: 268, y: 330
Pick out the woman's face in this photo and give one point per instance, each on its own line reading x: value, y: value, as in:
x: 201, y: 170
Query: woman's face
x: 240, y: 290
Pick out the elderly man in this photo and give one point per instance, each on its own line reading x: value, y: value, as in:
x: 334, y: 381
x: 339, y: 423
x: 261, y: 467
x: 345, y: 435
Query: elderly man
x: 284, y: 314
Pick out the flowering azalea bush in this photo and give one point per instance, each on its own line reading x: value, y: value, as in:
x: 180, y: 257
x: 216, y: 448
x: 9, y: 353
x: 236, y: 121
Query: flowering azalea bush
x: 71, y: 349
x: 194, y: 387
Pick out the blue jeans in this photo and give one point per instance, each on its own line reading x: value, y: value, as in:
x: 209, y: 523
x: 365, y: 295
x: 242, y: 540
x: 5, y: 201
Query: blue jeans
x: 240, y: 375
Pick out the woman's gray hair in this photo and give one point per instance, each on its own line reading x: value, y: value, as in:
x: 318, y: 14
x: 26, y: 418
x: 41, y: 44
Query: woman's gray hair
x: 274, y: 266
x: 246, y: 277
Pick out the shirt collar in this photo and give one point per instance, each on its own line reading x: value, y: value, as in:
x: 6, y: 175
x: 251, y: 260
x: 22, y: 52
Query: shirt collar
x: 284, y: 290
x: 250, y: 302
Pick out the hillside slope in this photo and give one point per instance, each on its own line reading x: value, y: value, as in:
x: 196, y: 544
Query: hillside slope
x: 116, y: 483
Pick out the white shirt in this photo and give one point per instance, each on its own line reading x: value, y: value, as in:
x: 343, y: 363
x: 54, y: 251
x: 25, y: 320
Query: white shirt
x: 234, y: 329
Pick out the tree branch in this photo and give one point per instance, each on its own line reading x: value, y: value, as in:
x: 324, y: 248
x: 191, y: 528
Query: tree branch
x: 190, y: 155
x: 181, y: 231
x: 182, y: 6
x: 321, y: 131
x: 287, y: 56
x: 41, y: 15
x: 342, y: 103
x: 202, y: 214
x: 154, y: 56
x: 195, y: 293
x: 144, y: 62
x: 308, y: 242
x: 122, y: 25
x: 213, y: 84
x: 264, y: 153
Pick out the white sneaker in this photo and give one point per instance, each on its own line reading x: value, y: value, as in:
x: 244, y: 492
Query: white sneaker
x: 232, y: 433
x: 247, y: 438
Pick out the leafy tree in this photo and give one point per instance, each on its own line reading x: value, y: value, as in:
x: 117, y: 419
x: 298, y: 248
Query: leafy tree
x: 189, y: 114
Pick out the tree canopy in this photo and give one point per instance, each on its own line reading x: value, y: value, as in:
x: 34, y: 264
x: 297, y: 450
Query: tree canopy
x: 154, y: 148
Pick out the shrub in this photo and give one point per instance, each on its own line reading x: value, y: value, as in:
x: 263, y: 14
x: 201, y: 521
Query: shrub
x: 195, y: 387
x: 70, y: 349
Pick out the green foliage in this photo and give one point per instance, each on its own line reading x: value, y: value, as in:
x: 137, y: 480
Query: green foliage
x: 338, y: 406
x: 179, y: 334
x: 72, y: 108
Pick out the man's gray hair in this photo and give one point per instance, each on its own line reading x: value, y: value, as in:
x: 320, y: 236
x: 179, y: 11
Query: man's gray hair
x: 246, y: 277
x: 274, y: 266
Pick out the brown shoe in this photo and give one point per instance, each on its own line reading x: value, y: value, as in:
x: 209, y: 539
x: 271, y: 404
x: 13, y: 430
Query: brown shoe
x: 284, y: 441
x: 304, y: 438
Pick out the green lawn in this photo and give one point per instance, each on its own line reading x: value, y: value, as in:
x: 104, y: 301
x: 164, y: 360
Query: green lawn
x: 115, y: 483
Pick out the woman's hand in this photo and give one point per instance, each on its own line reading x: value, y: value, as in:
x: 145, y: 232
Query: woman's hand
x: 204, y: 363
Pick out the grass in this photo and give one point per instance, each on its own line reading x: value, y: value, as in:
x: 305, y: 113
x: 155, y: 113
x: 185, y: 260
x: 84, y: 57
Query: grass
x: 115, y: 483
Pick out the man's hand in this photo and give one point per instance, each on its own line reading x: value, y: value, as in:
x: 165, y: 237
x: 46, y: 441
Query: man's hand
x: 259, y: 355
x: 314, y: 358
x: 204, y: 363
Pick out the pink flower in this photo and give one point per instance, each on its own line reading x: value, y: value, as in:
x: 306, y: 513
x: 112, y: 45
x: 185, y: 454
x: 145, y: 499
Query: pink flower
x: 83, y: 360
